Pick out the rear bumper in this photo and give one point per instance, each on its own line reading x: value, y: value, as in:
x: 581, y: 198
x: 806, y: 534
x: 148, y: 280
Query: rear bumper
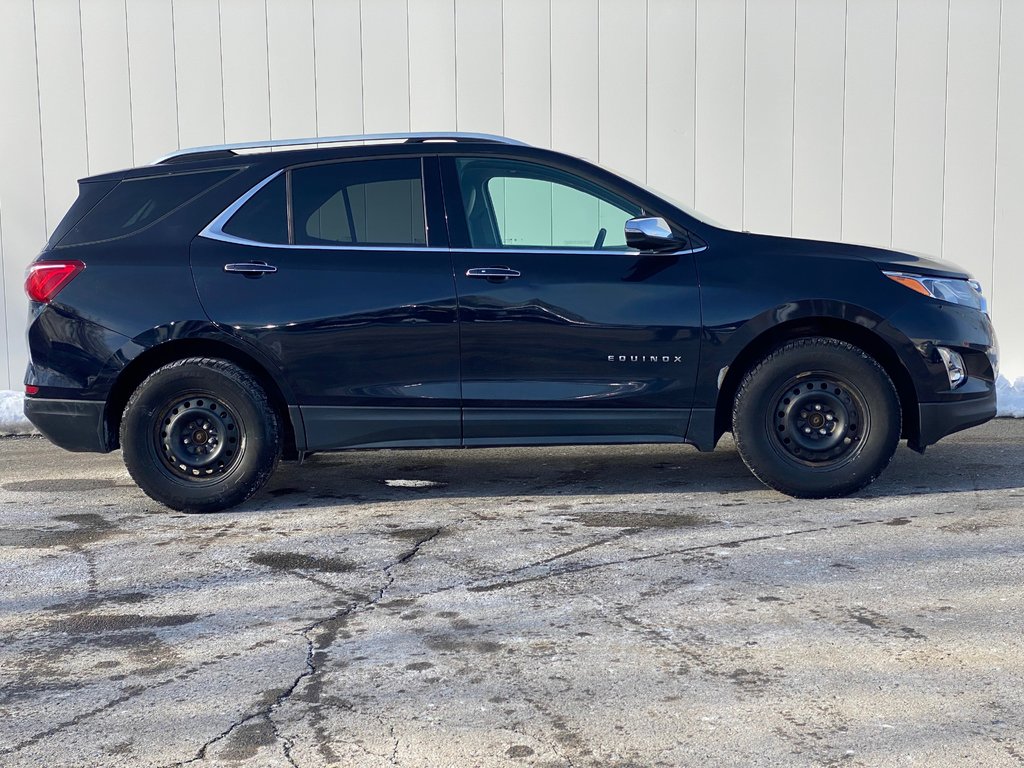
x: 940, y: 419
x: 74, y: 425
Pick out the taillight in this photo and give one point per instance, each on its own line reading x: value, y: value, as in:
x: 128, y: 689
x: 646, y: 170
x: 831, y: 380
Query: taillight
x: 31, y: 389
x: 45, y: 279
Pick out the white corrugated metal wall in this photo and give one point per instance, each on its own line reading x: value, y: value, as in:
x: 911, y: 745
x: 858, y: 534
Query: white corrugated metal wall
x: 892, y: 122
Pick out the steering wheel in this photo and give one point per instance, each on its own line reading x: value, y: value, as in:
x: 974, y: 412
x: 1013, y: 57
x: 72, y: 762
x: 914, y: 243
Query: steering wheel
x: 600, y: 238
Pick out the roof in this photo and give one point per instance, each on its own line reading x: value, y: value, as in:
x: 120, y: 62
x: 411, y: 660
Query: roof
x: 214, y: 150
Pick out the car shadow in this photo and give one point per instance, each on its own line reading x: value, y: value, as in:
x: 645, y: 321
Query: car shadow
x: 986, y: 458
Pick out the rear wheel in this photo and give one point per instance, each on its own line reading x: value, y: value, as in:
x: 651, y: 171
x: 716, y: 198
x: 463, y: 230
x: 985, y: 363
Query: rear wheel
x: 817, y: 418
x: 199, y: 435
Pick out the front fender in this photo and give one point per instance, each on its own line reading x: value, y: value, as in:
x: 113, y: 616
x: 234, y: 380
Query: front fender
x: 728, y: 343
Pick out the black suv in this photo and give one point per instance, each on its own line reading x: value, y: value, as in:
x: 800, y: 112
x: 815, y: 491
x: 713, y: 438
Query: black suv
x: 224, y: 307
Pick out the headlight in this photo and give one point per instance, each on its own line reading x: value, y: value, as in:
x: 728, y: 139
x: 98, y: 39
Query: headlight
x: 964, y: 292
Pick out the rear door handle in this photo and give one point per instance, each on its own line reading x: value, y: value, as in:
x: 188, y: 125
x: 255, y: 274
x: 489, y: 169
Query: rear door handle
x: 251, y: 268
x: 496, y: 274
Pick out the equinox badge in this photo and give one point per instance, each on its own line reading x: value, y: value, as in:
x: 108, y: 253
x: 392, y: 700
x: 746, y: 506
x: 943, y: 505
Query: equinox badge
x: 645, y: 358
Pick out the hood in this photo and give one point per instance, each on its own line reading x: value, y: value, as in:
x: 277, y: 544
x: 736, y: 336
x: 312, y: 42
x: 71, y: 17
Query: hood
x: 895, y: 261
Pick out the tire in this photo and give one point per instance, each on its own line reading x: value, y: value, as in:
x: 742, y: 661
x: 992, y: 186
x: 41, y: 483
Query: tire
x: 199, y: 435
x: 817, y: 418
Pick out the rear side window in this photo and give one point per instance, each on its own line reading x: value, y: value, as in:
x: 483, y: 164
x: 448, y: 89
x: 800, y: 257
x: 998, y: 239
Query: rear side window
x: 355, y: 203
x: 372, y: 202
x: 135, y: 204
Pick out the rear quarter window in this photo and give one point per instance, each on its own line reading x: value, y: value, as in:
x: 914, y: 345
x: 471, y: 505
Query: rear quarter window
x: 264, y: 216
x: 135, y: 204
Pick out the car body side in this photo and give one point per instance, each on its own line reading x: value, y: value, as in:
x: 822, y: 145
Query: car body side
x: 136, y: 307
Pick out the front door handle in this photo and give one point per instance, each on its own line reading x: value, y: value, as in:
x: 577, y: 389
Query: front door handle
x: 251, y: 268
x: 494, y: 274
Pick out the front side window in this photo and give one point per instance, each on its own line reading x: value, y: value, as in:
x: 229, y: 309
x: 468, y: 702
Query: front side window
x: 358, y: 203
x: 514, y: 204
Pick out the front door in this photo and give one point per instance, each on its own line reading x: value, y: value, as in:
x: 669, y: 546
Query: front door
x: 333, y: 273
x: 567, y: 334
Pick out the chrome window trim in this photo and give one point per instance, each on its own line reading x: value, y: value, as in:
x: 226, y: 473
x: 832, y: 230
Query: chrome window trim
x: 575, y: 251
x: 350, y: 138
x: 211, y: 234
x: 215, y: 231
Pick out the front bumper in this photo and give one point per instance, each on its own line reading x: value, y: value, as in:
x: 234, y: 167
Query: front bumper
x: 74, y: 425
x: 940, y: 419
x: 917, y: 332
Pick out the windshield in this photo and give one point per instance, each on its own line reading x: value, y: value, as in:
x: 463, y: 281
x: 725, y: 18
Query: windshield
x: 701, y: 217
x: 684, y: 207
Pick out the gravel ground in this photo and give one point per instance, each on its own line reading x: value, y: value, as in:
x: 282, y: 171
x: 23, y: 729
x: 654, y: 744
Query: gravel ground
x: 628, y: 606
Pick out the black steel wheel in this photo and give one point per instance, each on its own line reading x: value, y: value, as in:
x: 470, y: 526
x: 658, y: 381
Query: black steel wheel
x: 199, y: 435
x: 817, y: 418
x: 199, y: 438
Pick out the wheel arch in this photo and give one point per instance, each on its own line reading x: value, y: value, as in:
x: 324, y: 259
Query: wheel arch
x: 152, y: 358
x: 832, y: 327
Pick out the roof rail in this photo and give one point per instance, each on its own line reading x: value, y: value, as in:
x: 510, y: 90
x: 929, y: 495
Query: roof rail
x: 366, y: 137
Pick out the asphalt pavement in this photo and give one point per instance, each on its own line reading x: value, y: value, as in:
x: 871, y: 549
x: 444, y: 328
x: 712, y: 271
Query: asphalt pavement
x: 605, y: 606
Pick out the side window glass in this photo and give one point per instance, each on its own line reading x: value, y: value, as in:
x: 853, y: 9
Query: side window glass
x: 264, y: 216
x: 369, y: 202
x: 511, y: 204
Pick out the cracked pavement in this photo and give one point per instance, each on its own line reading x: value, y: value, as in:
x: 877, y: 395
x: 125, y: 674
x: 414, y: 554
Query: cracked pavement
x: 623, y: 605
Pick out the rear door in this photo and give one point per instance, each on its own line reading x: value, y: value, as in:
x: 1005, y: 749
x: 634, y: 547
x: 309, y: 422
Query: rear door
x: 567, y: 334
x: 339, y: 272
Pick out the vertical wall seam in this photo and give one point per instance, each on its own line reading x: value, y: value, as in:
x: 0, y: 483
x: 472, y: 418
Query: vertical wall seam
x: 362, y: 71
x: 223, y: 93
x: 455, y: 56
x: 647, y: 94
x: 945, y: 126
x: 597, y: 5
x: 846, y: 96
x: 743, y: 124
x: 174, y: 65
x: 895, y: 107
x: 502, y: 59
x: 842, y: 161
x: 551, y: 85
x: 85, y: 102
x: 504, y: 91
x: 266, y: 41
x: 991, y: 288
x: 408, y: 65
x: 316, y: 71
x: 220, y: 58
x: 39, y: 107
x: 696, y: 93
x: 312, y: 45
x: 792, y: 147
x: 647, y: 76
x: 696, y: 87
x: 128, y: 64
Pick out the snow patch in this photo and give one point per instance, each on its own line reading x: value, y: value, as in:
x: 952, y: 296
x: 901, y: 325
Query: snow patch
x: 1010, y: 397
x: 12, y: 415
x: 413, y: 483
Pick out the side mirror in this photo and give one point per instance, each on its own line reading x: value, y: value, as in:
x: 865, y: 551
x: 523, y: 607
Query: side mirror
x: 652, y: 233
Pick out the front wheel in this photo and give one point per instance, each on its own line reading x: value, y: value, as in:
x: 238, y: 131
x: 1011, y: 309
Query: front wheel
x: 199, y: 435
x: 817, y: 418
